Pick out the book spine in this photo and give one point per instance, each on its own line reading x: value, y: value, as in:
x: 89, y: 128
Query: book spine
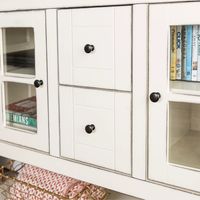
x: 189, y: 53
x: 20, y: 119
x: 178, y: 52
x: 194, y: 52
x: 173, y: 54
x: 184, y: 48
x: 198, y: 55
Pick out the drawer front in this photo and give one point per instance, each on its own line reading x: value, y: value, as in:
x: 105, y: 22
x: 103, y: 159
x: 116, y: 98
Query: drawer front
x: 95, y: 47
x: 95, y: 127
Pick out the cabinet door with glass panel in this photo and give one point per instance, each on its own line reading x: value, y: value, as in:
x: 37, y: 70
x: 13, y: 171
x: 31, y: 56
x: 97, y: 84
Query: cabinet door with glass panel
x: 174, y: 94
x: 23, y: 79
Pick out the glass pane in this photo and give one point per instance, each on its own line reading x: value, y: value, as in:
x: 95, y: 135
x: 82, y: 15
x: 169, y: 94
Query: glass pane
x: 184, y: 134
x: 19, y: 51
x: 185, y: 58
x: 20, y: 101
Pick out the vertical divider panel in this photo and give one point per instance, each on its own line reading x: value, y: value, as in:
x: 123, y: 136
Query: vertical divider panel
x: 52, y: 62
x: 140, y: 89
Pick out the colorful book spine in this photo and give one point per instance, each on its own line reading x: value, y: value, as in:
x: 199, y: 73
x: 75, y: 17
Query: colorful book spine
x: 184, y: 48
x: 198, y: 55
x: 194, y: 52
x: 173, y: 53
x: 189, y: 53
x: 178, y: 52
x: 18, y: 118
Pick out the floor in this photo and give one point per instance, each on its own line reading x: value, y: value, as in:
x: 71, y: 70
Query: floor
x: 118, y: 196
x: 7, y: 183
x: 4, y: 195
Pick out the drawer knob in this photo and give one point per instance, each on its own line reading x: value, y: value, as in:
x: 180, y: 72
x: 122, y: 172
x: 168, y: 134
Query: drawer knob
x: 38, y: 83
x: 90, y: 128
x: 155, y: 96
x: 89, y: 48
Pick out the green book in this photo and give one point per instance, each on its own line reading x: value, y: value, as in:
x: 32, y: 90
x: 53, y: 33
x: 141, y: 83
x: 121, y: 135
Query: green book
x: 21, y: 119
x: 23, y: 113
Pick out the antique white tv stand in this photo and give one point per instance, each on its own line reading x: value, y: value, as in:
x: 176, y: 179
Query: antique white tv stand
x: 86, y: 92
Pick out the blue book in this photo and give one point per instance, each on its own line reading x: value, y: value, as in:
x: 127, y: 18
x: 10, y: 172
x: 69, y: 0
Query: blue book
x: 183, y: 51
x: 189, y: 53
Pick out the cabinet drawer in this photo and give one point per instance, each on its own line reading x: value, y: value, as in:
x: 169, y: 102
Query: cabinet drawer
x: 96, y: 127
x: 95, y: 47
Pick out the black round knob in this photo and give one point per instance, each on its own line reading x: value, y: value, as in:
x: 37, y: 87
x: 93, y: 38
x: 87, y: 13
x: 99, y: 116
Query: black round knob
x: 90, y: 128
x: 155, y: 96
x: 38, y: 83
x: 89, y: 48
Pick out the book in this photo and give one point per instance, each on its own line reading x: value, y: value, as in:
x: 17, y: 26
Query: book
x: 22, y: 113
x: 173, y: 53
x: 198, y: 55
x: 184, y: 48
x: 24, y: 58
x: 21, y: 119
x: 194, y: 52
x: 178, y: 52
x: 189, y: 53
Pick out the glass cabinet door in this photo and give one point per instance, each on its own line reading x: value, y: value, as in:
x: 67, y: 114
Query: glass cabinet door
x: 174, y: 95
x: 184, y: 134
x: 20, y: 106
x: 23, y: 78
x: 18, y: 51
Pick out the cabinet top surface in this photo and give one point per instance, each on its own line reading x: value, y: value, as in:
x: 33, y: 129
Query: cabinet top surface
x: 7, y: 5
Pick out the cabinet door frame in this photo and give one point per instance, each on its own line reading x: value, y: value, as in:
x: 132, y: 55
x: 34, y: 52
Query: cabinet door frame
x: 162, y: 16
x: 36, y: 20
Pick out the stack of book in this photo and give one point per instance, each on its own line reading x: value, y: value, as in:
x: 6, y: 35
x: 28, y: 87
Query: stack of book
x: 22, y: 114
x: 185, y: 53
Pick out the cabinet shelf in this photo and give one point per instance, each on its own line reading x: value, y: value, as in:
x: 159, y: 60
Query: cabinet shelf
x: 186, y: 151
x: 185, y: 87
x: 184, y: 134
x: 26, y: 72
x: 20, y: 127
